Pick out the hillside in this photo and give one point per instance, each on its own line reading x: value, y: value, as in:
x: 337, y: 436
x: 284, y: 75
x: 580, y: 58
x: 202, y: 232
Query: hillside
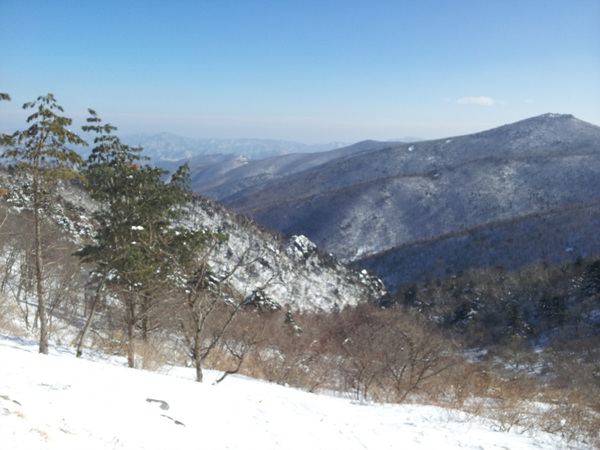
x: 553, y: 236
x: 292, y: 271
x: 59, y: 402
x: 361, y: 205
x: 240, y: 176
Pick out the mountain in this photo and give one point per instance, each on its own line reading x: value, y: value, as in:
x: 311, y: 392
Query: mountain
x: 210, y: 158
x: 227, y: 178
x: 381, y: 203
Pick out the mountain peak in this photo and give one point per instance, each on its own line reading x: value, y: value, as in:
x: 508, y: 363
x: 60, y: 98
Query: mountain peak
x: 549, y: 127
x: 548, y: 118
x: 555, y: 116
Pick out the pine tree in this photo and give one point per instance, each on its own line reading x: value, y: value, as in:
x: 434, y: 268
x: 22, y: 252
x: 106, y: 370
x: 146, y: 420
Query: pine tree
x: 5, y: 139
x: 40, y: 153
x: 138, y: 245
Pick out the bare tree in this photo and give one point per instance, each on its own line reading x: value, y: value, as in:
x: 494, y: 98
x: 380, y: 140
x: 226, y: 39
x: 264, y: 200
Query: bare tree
x: 210, y: 305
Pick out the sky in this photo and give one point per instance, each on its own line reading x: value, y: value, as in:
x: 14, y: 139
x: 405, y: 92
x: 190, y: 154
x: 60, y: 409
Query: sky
x: 312, y: 71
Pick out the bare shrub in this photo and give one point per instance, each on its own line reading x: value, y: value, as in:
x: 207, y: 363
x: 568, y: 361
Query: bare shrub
x: 463, y: 385
x: 389, y: 354
x: 111, y: 342
x: 285, y: 349
x: 151, y: 354
x: 280, y: 357
x: 510, y: 402
x: 9, y: 311
x: 375, y: 354
x: 569, y: 416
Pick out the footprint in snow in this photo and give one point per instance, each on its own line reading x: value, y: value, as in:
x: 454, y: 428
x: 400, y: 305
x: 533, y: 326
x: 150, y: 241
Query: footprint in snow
x: 162, y: 404
x: 165, y: 407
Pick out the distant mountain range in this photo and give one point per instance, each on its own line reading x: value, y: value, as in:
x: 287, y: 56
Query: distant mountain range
x: 170, y: 147
x: 516, y: 194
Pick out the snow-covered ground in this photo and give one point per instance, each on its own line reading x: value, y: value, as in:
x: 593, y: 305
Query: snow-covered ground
x: 60, y: 402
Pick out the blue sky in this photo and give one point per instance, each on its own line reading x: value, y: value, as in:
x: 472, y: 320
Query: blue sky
x: 308, y: 71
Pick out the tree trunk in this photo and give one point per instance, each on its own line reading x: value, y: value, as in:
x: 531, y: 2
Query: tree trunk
x: 130, y: 333
x: 146, y: 305
x: 197, y: 357
x: 88, y: 322
x: 199, y: 374
x: 39, y: 271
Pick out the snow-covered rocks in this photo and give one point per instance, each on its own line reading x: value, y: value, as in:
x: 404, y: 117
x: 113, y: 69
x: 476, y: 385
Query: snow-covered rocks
x: 292, y: 272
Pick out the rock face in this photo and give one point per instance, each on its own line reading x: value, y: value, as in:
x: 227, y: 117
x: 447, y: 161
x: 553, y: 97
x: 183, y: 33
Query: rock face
x: 536, y: 178
x: 291, y: 272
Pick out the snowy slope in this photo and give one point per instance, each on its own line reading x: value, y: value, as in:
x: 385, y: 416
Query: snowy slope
x: 59, y: 402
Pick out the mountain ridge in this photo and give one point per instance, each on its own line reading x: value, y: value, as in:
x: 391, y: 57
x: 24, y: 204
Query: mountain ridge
x: 226, y: 180
x: 364, y: 203
x: 382, y: 151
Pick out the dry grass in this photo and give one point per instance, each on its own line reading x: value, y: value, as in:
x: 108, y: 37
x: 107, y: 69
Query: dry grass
x: 9, y: 312
x: 522, y: 402
x: 151, y: 355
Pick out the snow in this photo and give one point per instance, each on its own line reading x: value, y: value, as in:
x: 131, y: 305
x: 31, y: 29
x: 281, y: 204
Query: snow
x: 60, y: 402
x: 291, y: 272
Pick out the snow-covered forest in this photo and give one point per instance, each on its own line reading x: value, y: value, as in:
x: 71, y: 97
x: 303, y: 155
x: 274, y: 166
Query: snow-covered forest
x: 108, y: 263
